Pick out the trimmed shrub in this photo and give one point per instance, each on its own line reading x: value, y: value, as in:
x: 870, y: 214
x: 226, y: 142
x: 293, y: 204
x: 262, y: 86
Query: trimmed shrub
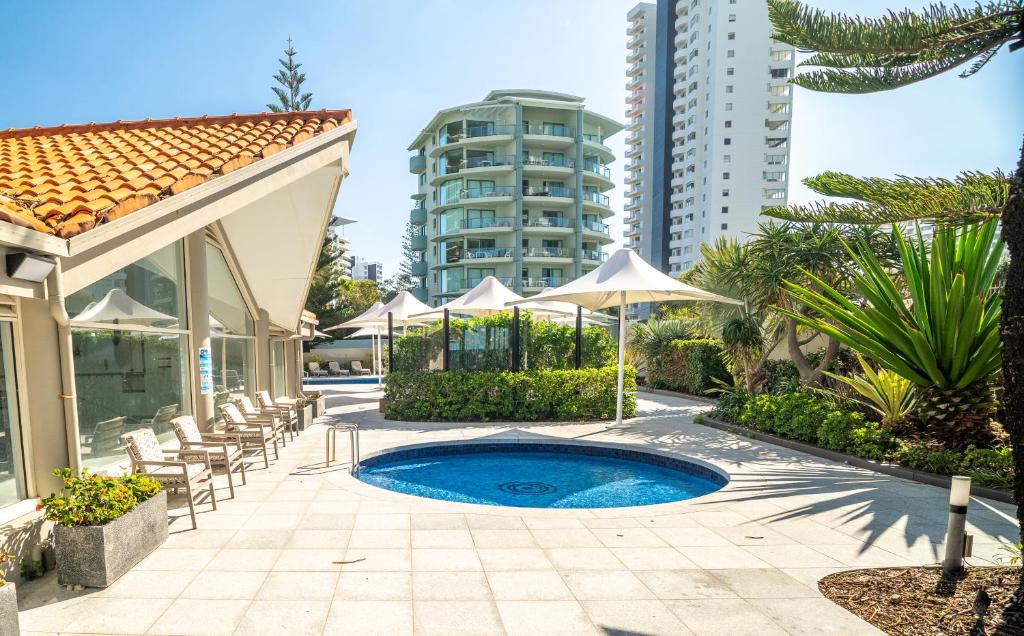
x: 780, y: 376
x: 459, y: 396
x: 690, y: 366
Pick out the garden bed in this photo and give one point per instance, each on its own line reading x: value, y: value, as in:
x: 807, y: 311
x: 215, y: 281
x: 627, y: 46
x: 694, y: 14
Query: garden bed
x: 918, y: 602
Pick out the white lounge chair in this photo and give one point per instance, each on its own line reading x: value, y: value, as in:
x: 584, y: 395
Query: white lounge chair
x: 357, y: 368
x: 335, y: 369
x: 223, y: 449
x: 254, y: 434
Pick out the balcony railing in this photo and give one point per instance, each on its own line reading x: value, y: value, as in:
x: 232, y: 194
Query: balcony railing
x: 549, y: 130
x: 487, y: 252
x: 470, y: 283
x: 541, y: 282
x: 596, y: 168
x: 486, y: 191
x: 546, y: 221
x: 596, y: 197
x: 547, y: 191
x: 489, y: 130
x: 548, y: 252
x: 594, y: 255
x: 593, y: 138
x: 594, y: 226
x: 553, y: 162
x: 459, y: 225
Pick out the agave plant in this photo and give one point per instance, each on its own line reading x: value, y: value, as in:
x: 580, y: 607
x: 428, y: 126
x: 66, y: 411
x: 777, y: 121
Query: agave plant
x: 648, y: 340
x: 886, y: 392
x: 944, y: 338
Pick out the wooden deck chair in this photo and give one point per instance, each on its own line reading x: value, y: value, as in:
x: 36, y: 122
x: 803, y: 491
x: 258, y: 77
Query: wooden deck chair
x: 254, y: 434
x: 282, y: 424
x: 287, y: 408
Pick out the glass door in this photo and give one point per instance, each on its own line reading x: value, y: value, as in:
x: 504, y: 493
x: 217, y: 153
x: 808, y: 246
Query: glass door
x: 12, y: 483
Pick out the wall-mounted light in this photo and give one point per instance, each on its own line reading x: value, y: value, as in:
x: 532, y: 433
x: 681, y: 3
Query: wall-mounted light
x: 28, y: 266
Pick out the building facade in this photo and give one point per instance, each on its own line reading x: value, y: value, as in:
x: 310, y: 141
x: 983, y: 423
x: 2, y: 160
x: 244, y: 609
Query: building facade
x: 363, y: 269
x: 336, y: 233
x: 170, y: 265
x: 708, y: 114
x: 513, y: 187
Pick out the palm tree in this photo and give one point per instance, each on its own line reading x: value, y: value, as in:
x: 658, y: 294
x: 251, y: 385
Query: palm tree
x: 857, y: 55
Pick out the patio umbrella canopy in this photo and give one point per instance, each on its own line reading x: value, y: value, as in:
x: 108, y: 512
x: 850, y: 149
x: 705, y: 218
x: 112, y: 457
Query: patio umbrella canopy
x: 118, y: 306
x: 490, y: 297
x: 623, y: 279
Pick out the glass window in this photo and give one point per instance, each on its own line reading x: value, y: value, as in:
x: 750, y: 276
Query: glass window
x: 280, y: 383
x: 232, y: 341
x: 12, y: 488
x: 130, y: 354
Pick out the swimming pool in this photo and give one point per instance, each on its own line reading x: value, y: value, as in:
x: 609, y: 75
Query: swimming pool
x: 540, y: 475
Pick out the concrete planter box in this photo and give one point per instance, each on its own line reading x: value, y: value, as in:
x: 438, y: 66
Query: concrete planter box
x: 8, y: 609
x: 320, y: 407
x: 96, y: 556
x: 305, y: 417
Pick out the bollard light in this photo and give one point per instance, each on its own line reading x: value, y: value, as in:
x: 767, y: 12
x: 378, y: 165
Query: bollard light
x: 959, y: 497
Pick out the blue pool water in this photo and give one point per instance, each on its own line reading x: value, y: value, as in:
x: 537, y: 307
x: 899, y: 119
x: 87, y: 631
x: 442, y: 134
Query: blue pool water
x: 544, y: 476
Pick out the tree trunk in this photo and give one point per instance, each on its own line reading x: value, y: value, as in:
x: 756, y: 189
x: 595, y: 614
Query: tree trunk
x: 809, y: 374
x: 1013, y: 334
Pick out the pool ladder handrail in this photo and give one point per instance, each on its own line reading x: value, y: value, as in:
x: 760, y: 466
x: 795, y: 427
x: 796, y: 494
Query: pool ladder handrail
x: 331, y: 441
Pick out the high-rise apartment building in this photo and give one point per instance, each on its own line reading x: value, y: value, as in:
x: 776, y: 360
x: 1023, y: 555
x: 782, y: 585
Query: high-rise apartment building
x: 363, y: 269
x: 336, y: 234
x: 709, y: 116
x: 512, y: 187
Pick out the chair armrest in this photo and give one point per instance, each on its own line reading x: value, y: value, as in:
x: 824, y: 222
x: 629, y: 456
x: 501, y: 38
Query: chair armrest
x: 153, y: 462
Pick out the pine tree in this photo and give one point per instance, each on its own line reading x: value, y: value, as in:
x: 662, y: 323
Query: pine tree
x: 409, y: 256
x: 291, y: 97
x: 859, y: 55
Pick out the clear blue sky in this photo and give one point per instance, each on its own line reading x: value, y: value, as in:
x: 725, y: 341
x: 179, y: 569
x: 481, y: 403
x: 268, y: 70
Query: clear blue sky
x: 397, y: 62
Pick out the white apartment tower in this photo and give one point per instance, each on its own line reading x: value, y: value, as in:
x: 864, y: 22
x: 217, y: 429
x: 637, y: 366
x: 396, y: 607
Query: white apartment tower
x: 709, y: 116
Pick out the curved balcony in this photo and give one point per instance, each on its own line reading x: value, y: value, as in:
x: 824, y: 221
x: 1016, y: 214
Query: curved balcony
x: 470, y: 283
x: 595, y: 226
x: 549, y: 130
x: 547, y: 252
x: 596, y: 197
x: 550, y: 162
x: 464, y: 225
x: 420, y: 294
x: 480, y: 253
x: 599, y: 169
x: 419, y: 268
x: 548, y: 191
x: 418, y: 242
x: 485, y: 192
x: 418, y: 216
x: 594, y: 255
x: 418, y: 164
x: 473, y: 133
x: 540, y: 282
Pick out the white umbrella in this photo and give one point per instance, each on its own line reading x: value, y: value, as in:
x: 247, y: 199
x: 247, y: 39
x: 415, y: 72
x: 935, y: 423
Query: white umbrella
x: 623, y: 279
x: 491, y: 297
x: 118, y: 306
x: 367, y: 318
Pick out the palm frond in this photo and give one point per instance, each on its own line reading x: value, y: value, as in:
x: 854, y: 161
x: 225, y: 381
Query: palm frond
x: 860, y: 55
x: 969, y: 197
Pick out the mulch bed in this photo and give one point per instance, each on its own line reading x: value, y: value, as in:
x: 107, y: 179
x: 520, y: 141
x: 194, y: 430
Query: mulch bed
x: 917, y: 601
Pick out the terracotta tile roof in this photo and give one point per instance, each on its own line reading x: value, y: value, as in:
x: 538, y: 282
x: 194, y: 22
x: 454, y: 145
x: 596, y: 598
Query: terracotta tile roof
x: 68, y: 179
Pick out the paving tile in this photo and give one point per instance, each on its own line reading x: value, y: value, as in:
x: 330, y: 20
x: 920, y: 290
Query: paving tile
x: 369, y: 618
x: 653, y: 559
x: 612, y: 522
x: 722, y: 557
x: 200, y: 617
x: 450, y: 586
x: 566, y: 538
x: 170, y: 560
x: 299, y: 586
x: 272, y: 522
x: 583, y: 559
x: 494, y: 522
x: 439, y: 521
x: 732, y: 616
x: 545, y: 617
x: 528, y: 585
x: 241, y: 560
x: 382, y: 522
x: 600, y: 585
x: 309, y: 560
x: 503, y: 538
x: 561, y: 522
x: 628, y: 538
x: 449, y: 618
x: 690, y: 537
x: 336, y: 521
x: 513, y: 559
x: 374, y: 586
x: 116, y: 615
x: 217, y: 585
x: 259, y: 539
x: 285, y: 617
x: 684, y: 584
x: 633, y: 617
x: 322, y: 539
x: 379, y: 539
x: 791, y: 556
x: 770, y: 583
x: 459, y: 538
x: 202, y: 538
x: 669, y: 521
x: 374, y: 560
x: 813, y: 616
x: 149, y: 584
x: 445, y: 559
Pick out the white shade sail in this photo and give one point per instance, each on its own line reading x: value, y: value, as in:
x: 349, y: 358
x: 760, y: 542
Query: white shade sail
x: 625, y: 273
x: 369, y: 332
x: 370, y: 313
x: 118, y: 306
x: 623, y: 279
x: 491, y: 297
x: 404, y: 308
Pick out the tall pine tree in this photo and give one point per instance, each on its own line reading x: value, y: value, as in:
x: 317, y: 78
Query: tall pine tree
x: 289, y: 94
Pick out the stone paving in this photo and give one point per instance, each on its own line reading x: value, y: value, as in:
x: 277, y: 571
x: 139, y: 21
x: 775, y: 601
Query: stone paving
x: 305, y: 549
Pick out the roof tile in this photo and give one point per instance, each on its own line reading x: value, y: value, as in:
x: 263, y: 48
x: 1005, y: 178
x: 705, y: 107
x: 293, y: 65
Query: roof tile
x: 68, y: 179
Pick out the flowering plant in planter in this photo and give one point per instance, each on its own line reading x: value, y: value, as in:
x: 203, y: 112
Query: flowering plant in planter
x: 93, y: 500
x: 5, y: 558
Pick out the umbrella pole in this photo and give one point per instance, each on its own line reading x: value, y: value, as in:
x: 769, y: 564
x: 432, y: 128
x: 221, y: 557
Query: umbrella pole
x: 380, y: 358
x: 622, y: 355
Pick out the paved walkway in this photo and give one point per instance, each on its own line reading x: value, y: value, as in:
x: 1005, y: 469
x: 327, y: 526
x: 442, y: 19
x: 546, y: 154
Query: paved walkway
x: 304, y: 549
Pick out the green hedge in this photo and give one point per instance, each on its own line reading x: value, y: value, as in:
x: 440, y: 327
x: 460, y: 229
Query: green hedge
x: 809, y: 417
x: 690, y: 366
x: 453, y: 396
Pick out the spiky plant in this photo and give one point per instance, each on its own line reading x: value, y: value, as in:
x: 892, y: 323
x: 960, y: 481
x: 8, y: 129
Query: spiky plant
x: 289, y: 94
x: 886, y: 392
x: 944, y: 337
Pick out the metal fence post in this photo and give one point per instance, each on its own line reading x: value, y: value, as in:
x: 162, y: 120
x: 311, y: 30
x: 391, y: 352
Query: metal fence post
x: 515, y: 339
x: 391, y: 342
x: 579, y: 337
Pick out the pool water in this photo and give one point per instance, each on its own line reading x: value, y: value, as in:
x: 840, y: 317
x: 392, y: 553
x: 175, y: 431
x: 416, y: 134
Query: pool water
x: 539, y: 479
